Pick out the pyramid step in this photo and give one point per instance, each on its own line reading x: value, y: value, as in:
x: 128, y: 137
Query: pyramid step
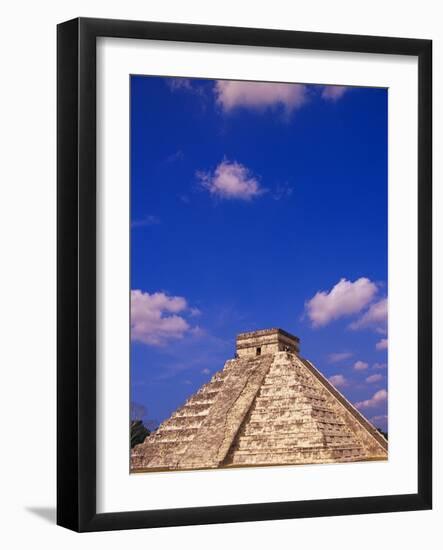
x: 175, y: 434
x: 300, y: 397
x: 349, y: 450
x: 322, y: 412
x: 255, y: 445
x: 167, y: 447
x: 284, y: 422
x: 299, y: 410
x: 284, y: 378
x: 300, y: 457
x: 277, y: 408
x: 193, y: 409
x: 208, y: 395
x: 215, y: 385
x: 297, y: 403
x: 325, y: 408
x: 299, y: 453
x: 219, y: 375
x: 208, y: 401
x: 297, y: 418
x: 339, y: 439
x: 298, y: 438
x: 288, y: 381
x: 302, y: 430
x: 280, y: 429
x: 290, y: 392
x: 276, y: 402
x: 180, y: 422
x: 301, y: 385
x: 321, y: 415
x: 326, y: 429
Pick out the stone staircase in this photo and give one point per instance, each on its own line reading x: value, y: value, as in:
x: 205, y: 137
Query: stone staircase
x: 165, y: 447
x: 294, y: 420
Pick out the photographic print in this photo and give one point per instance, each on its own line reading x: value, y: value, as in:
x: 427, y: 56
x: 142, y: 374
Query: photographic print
x: 222, y: 274
x: 259, y: 274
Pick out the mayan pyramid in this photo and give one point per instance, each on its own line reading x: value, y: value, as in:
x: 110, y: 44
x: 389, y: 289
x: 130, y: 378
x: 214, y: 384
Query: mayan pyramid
x: 268, y: 406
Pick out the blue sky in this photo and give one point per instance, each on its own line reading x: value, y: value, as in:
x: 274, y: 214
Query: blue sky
x: 257, y: 205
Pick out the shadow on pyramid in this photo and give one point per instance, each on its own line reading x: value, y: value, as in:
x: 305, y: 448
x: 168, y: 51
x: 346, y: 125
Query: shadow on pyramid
x: 268, y: 406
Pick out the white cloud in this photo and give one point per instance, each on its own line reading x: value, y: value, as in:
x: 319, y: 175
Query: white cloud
x: 333, y: 93
x: 155, y: 319
x: 175, y: 157
x: 282, y: 192
x: 205, y: 371
x: 360, y: 365
x: 146, y: 221
x: 231, y: 180
x: 338, y: 357
x: 382, y: 344
x: 374, y: 378
x: 378, y: 398
x: 379, y: 366
x: 376, y: 317
x: 179, y: 83
x: 230, y: 94
x: 258, y: 96
x: 185, y: 199
x: 345, y: 298
x: 184, y: 84
x: 338, y: 380
x: 197, y: 331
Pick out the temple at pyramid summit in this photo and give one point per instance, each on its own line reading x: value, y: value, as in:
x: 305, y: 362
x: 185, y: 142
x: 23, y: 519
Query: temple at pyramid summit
x: 267, y: 406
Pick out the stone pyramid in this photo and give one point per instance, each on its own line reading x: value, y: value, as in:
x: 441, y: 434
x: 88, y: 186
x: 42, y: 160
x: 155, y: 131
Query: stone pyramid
x: 268, y: 406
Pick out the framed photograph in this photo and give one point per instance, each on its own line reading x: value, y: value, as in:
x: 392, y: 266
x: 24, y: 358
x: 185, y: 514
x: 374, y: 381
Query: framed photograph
x: 244, y: 274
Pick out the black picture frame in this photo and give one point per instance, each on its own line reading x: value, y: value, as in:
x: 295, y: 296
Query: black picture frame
x: 76, y: 280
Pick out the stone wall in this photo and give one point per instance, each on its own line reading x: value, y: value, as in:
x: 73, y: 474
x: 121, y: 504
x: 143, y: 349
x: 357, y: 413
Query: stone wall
x: 268, y: 341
